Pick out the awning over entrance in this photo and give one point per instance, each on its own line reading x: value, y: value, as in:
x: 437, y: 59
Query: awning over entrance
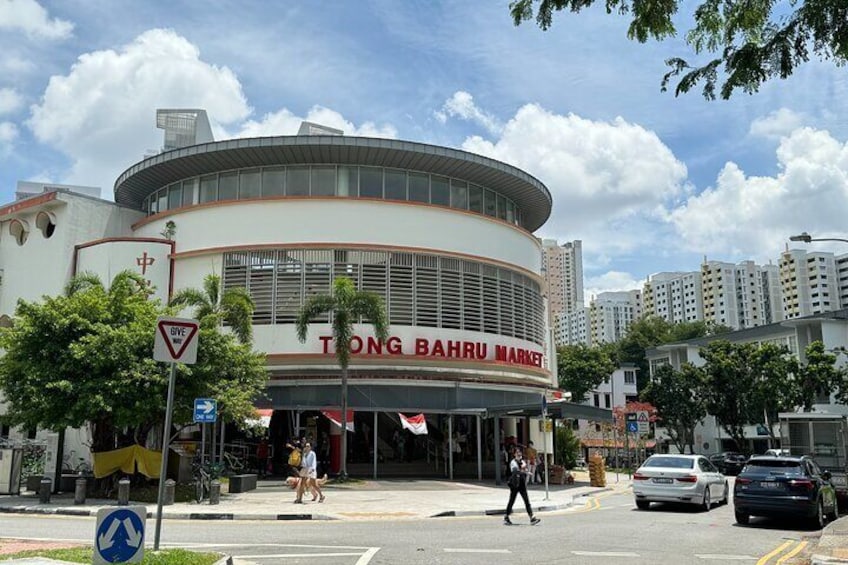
x: 558, y: 410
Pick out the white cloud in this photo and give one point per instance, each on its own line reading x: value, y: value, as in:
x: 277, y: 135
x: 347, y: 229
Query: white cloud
x: 606, y: 178
x: 12, y: 64
x: 102, y: 113
x: 31, y: 18
x: 750, y: 216
x: 8, y: 134
x: 284, y: 122
x: 611, y: 281
x: 10, y: 101
x: 462, y: 105
x: 777, y: 124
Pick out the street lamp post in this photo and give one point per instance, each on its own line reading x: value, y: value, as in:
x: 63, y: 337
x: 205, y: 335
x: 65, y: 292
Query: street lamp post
x: 807, y: 238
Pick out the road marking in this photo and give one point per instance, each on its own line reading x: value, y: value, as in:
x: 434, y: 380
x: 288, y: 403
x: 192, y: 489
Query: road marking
x: 606, y: 553
x: 367, y: 556
x: 466, y: 550
x: 292, y: 555
x: 793, y: 553
x: 765, y: 558
x: 722, y: 557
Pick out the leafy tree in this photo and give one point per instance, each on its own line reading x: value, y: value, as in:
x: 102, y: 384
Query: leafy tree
x: 731, y: 385
x: 748, y: 42
x: 774, y: 371
x: 818, y: 377
x: 652, y: 331
x: 346, y: 306
x: 680, y: 402
x: 581, y: 368
x: 233, y: 307
x: 567, y: 447
x: 84, y: 358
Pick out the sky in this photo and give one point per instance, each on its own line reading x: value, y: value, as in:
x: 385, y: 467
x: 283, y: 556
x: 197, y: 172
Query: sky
x: 648, y: 181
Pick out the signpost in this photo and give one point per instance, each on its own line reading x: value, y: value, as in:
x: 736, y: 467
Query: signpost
x: 642, y: 419
x: 175, y: 342
x: 632, y: 427
x: 205, y: 410
x: 545, y: 441
x: 119, y: 535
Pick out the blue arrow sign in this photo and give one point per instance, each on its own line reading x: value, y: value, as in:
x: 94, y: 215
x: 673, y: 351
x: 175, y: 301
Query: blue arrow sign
x: 205, y: 410
x: 633, y: 427
x: 120, y: 536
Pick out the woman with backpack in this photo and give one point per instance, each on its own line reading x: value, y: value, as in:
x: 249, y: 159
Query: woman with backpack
x: 517, y: 485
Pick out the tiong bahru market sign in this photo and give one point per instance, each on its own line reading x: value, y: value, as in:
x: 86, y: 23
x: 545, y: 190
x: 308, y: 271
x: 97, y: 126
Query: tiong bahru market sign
x: 439, y: 348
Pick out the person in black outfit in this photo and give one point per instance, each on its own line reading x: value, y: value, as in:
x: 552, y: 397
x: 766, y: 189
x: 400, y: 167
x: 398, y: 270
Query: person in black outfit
x: 517, y: 485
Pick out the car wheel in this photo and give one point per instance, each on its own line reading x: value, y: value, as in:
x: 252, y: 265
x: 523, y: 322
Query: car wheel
x: 818, y: 519
x: 707, y: 503
x: 742, y: 518
x: 643, y: 504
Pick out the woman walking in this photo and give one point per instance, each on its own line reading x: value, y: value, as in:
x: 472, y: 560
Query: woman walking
x: 517, y: 485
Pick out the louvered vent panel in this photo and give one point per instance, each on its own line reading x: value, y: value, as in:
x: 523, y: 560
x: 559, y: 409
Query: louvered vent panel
x: 401, y: 290
x: 289, y: 281
x: 427, y: 291
x: 261, y: 285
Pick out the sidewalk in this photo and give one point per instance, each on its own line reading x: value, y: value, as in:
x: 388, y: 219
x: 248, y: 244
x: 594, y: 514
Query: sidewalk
x: 394, y: 499
x: 833, y: 544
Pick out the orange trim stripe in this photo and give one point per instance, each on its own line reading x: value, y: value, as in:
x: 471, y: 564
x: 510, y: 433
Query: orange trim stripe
x: 28, y: 203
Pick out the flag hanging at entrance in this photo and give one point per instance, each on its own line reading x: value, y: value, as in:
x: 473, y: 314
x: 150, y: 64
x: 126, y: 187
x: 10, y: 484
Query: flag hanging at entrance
x: 335, y: 417
x: 415, y: 424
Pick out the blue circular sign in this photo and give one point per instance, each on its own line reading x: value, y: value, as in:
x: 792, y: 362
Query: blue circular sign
x: 120, y: 536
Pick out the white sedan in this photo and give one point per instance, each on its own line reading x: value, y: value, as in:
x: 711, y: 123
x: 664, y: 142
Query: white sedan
x: 689, y: 479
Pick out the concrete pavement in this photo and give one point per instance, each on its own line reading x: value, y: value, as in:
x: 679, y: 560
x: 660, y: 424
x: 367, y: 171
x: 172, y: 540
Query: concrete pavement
x: 394, y: 499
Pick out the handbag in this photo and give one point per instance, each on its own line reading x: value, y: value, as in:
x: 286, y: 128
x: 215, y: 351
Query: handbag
x: 514, y: 480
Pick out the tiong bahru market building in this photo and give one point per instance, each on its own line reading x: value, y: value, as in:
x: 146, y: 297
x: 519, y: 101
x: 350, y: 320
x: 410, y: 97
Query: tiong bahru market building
x: 444, y: 236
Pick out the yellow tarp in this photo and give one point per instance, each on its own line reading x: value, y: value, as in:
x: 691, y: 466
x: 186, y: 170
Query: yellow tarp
x: 126, y: 460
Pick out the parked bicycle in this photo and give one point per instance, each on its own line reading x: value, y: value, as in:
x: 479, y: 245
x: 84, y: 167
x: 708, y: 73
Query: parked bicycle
x: 204, y: 472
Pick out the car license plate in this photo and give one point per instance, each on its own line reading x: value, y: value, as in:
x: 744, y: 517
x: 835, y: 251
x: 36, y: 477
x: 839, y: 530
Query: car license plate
x: 771, y: 485
x: 663, y: 480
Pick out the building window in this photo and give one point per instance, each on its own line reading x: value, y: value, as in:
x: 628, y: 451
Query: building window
x: 630, y: 377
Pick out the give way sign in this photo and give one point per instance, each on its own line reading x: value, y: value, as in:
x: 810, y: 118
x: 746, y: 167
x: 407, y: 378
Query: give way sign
x: 176, y: 340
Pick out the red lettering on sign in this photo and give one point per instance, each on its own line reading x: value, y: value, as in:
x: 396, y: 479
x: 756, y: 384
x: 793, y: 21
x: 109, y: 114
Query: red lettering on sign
x: 422, y: 346
x: 454, y: 348
x: 468, y: 350
x: 394, y: 346
x: 438, y: 349
x: 374, y: 346
x: 326, y: 339
x: 500, y: 353
x: 482, y: 350
x: 355, y: 344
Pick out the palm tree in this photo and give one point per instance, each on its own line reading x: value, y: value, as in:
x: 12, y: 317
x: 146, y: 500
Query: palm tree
x: 234, y: 306
x: 347, y: 305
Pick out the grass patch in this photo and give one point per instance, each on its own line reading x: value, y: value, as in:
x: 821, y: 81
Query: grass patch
x: 86, y: 554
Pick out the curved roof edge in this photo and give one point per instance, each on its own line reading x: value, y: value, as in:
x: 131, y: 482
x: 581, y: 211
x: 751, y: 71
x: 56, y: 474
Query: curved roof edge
x: 153, y: 173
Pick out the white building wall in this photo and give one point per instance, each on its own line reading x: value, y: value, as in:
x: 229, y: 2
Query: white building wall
x: 397, y: 225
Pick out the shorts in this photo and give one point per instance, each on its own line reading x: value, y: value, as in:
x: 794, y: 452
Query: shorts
x: 311, y: 474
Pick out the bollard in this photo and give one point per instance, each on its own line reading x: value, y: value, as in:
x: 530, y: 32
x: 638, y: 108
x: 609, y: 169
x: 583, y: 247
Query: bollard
x: 123, y: 492
x: 170, y: 492
x: 79, y: 490
x: 44, y: 491
x: 215, y: 492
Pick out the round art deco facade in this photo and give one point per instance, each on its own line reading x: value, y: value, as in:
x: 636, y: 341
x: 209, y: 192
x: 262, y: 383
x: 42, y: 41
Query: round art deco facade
x: 442, y: 235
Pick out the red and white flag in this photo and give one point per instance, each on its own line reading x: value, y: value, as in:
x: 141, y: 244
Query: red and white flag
x: 415, y: 424
x: 335, y: 417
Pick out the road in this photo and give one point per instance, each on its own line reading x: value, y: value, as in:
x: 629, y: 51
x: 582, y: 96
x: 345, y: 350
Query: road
x: 606, y: 529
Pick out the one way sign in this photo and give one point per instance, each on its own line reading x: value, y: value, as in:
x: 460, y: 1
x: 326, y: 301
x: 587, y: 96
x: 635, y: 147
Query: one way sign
x: 205, y: 410
x: 119, y: 535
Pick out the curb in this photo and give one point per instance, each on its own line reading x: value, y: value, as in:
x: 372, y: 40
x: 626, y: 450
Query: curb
x: 501, y: 511
x: 826, y: 560
x: 168, y: 515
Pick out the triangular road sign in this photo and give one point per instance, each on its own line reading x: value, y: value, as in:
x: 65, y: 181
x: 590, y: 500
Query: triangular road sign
x: 176, y: 340
x: 643, y: 417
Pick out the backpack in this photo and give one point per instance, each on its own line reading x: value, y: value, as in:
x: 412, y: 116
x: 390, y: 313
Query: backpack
x: 294, y: 458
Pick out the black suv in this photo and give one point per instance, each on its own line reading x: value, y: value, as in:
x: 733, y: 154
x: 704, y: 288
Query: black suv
x: 729, y: 462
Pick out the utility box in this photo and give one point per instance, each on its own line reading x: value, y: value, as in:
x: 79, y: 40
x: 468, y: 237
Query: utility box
x: 11, y: 459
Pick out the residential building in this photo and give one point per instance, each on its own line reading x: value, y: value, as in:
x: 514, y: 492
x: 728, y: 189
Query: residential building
x: 611, y: 313
x: 562, y: 268
x: 742, y: 295
x: 674, y: 296
x: 810, y: 283
x: 572, y: 328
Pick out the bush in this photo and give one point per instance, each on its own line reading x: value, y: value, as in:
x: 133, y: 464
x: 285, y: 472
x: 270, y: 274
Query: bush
x: 567, y: 447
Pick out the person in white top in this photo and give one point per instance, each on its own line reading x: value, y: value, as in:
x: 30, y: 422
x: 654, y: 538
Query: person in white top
x: 310, y: 476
